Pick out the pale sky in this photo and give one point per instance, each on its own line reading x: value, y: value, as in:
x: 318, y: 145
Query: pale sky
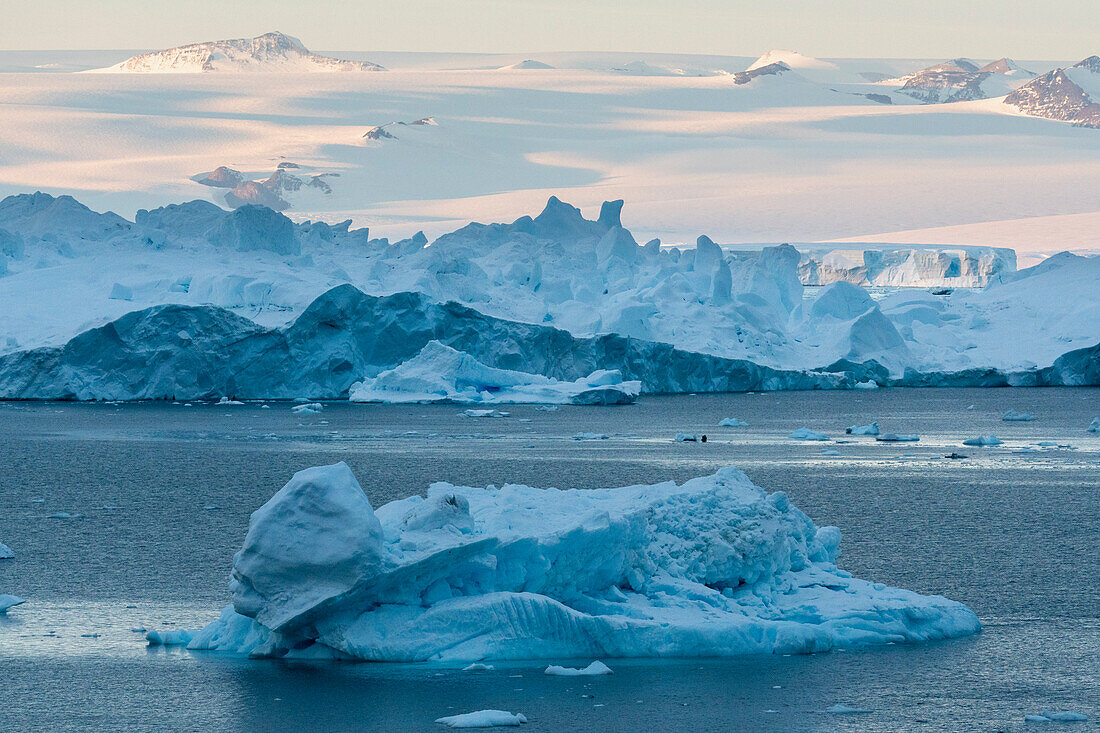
x: 1057, y: 29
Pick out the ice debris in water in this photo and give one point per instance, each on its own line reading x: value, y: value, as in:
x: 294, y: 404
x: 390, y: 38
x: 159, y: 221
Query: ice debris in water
x: 898, y: 437
x: 170, y: 637
x: 442, y: 374
x: 6, y: 552
x: 712, y: 567
x: 983, y: 440
x: 868, y: 384
x: 1011, y: 415
x: 589, y: 436
x: 839, y: 709
x: 871, y: 429
x: 227, y: 401
x: 686, y: 438
x: 484, y: 413
x: 483, y: 719
x: 7, y: 601
x: 732, y: 422
x: 807, y: 434
x: 478, y: 667
x: 595, y: 668
x: 307, y: 408
x: 1094, y: 426
x: 830, y: 452
x: 1052, y: 716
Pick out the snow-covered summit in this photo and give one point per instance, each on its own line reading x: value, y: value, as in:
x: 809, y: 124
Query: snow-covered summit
x: 1069, y: 95
x: 792, y: 59
x: 270, y: 52
x: 530, y: 64
x: 961, y: 80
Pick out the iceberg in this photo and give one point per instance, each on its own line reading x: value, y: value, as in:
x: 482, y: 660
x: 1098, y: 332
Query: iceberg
x: 6, y: 553
x: 807, y: 434
x: 898, y: 437
x: 732, y: 422
x: 1054, y: 716
x: 595, y: 668
x: 483, y: 719
x: 871, y: 429
x: 442, y: 374
x: 983, y: 440
x: 8, y: 601
x: 1094, y: 426
x: 1011, y: 415
x: 590, y: 436
x: 711, y: 567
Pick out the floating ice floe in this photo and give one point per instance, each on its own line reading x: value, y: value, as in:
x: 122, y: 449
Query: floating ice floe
x: 307, y: 408
x: 983, y: 440
x: 442, y: 374
x: 871, y: 429
x: 478, y: 667
x: 689, y: 438
x: 6, y: 553
x: 712, y: 567
x: 830, y: 452
x: 227, y: 401
x: 732, y: 422
x: 483, y: 719
x: 898, y: 437
x: 1053, y: 716
x: 8, y: 601
x: 485, y: 413
x: 1094, y: 426
x: 590, y: 436
x: 595, y: 668
x: 1011, y: 415
x: 868, y: 384
x: 839, y: 709
x: 64, y: 515
x: 807, y: 434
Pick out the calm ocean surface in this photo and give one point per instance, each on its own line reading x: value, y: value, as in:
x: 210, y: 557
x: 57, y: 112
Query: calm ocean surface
x: 163, y: 495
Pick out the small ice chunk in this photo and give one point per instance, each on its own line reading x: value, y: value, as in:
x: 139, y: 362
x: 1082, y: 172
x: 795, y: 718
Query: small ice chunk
x: 983, y: 440
x: 830, y: 452
x: 6, y: 552
x: 807, y: 434
x: 1053, y: 716
x: 7, y: 602
x: 589, y: 436
x: 839, y: 709
x: 731, y: 422
x: 868, y: 384
x: 686, y: 438
x: 1094, y: 426
x: 227, y: 401
x: 547, y: 408
x: 898, y: 438
x: 63, y: 515
x: 170, y: 637
x: 483, y: 719
x: 478, y: 667
x: 871, y: 429
x: 307, y: 408
x: 484, y: 413
x: 1011, y: 415
x: 596, y: 668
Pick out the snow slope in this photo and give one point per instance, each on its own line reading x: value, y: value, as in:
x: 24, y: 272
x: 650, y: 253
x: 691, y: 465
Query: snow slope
x: 760, y: 162
x: 714, y: 567
x: 269, y: 52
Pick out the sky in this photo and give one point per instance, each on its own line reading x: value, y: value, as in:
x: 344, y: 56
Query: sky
x: 1030, y: 29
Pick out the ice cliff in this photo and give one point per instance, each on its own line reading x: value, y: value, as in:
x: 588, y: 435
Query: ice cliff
x: 713, y: 567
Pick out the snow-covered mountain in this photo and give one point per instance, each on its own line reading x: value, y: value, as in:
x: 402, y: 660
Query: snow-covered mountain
x: 528, y: 64
x: 269, y: 52
x: 1069, y: 95
x: 961, y: 80
x: 792, y: 59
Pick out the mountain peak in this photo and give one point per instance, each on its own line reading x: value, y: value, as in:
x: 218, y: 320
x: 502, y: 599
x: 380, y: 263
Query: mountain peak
x: 274, y: 51
x: 792, y: 60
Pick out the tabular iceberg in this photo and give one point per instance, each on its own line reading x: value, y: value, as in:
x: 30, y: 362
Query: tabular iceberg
x: 712, y: 567
x: 442, y: 374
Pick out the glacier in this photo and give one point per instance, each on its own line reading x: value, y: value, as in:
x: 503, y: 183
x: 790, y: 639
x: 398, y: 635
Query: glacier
x: 231, y: 303
x: 713, y: 567
x: 441, y: 374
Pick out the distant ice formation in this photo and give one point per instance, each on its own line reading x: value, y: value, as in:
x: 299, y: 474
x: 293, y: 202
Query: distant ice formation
x: 269, y: 52
x: 442, y: 374
x: 712, y: 567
